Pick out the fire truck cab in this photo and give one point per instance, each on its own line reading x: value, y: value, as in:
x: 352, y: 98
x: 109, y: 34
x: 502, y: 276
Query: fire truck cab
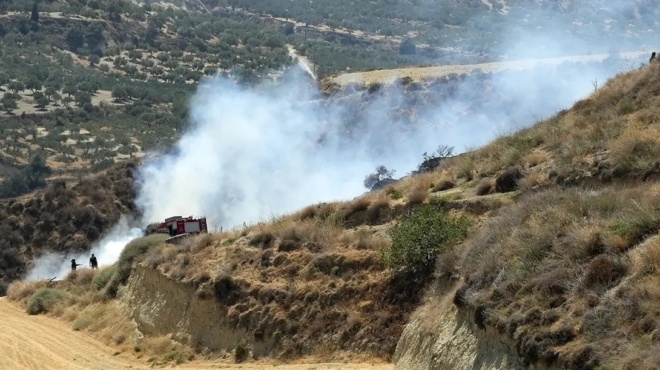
x: 178, y: 225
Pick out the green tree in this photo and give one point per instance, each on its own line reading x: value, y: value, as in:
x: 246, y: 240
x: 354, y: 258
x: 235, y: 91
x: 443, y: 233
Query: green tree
x: 67, y: 100
x: 28, y: 179
x: 94, y: 60
x: 69, y: 89
x: 34, y: 17
x: 4, y: 79
x: 42, y: 101
x: 75, y: 38
x: 82, y: 98
x: 381, y: 173
x: 407, y: 47
x: 16, y: 86
x: 33, y: 84
x: 119, y: 93
x: 8, y: 103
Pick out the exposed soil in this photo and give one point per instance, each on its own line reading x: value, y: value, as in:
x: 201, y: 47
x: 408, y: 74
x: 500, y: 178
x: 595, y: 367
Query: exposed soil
x: 41, y: 342
x: 420, y: 73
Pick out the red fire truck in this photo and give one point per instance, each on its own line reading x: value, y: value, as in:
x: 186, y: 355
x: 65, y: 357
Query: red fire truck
x: 178, y: 225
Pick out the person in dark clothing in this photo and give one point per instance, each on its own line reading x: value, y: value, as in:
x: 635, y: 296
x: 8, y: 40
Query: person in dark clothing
x: 653, y: 58
x: 74, y: 264
x: 93, y: 263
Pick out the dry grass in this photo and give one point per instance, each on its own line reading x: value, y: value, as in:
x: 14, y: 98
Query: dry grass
x: 533, y: 180
x: 88, y: 310
x: 418, y: 195
x: 20, y: 291
x: 560, y: 253
x: 484, y: 187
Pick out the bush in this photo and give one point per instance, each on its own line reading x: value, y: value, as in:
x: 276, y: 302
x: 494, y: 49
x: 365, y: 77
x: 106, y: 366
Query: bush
x: 44, y: 300
x: 123, y: 267
x: 508, y: 180
x: 241, y: 353
x: 103, y: 276
x: 484, y: 187
x: 419, y: 237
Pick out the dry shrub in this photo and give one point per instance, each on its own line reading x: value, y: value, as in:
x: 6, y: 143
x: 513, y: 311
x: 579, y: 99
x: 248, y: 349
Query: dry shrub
x: 648, y: 261
x: 484, y: 187
x: 418, y: 195
x: 534, y: 158
x: 307, y: 213
x: 263, y: 239
x: 604, y: 271
x: 358, y: 205
x: 532, y: 180
x: 364, y: 239
x: 45, y: 300
x: 80, y: 277
x: 375, y: 208
x: 443, y: 185
x: 310, y: 231
x: 634, y: 145
x: 20, y: 290
x: 354, y: 318
x: 320, y: 211
x: 200, y: 242
x: 464, y: 166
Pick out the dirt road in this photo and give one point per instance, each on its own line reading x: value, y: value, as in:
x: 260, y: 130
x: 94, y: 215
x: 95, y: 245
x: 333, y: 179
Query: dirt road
x: 419, y: 73
x: 44, y: 343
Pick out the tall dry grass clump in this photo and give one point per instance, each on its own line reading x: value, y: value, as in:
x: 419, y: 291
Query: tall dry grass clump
x: 20, y: 290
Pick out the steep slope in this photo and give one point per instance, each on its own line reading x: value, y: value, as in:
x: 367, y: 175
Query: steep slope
x: 567, y: 276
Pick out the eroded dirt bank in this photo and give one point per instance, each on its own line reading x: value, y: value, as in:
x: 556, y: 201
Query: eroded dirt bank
x: 442, y: 337
x: 45, y: 343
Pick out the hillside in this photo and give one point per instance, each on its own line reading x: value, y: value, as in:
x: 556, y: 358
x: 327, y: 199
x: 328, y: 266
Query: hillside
x: 66, y: 217
x: 534, y: 250
x: 540, y: 249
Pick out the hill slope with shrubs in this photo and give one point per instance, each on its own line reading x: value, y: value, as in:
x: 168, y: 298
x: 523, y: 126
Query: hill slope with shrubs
x: 64, y: 217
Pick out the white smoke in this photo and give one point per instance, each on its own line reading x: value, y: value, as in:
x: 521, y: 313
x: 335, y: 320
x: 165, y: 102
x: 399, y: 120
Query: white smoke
x: 252, y: 153
x: 107, y: 251
x: 255, y: 153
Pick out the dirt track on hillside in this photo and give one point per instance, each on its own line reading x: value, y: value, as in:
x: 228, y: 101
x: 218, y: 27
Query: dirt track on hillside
x: 40, y: 342
x: 420, y: 73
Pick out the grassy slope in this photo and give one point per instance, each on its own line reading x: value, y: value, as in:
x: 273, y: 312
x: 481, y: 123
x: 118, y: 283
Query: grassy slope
x: 568, y: 261
x: 568, y: 272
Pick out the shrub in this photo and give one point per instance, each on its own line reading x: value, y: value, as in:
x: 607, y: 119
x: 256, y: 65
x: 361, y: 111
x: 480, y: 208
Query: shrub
x: 81, y: 277
x: 604, y: 271
x: 419, y: 237
x: 508, y: 180
x: 44, y: 300
x: 241, y: 353
x: 103, y: 276
x: 132, y: 250
x: 484, y: 187
x: 417, y: 196
x: 443, y: 185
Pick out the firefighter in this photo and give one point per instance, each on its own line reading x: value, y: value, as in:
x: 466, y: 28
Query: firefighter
x: 93, y: 263
x: 74, y: 264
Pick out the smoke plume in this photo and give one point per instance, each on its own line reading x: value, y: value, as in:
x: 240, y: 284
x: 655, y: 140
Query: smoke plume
x: 253, y: 153
x: 106, y: 249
